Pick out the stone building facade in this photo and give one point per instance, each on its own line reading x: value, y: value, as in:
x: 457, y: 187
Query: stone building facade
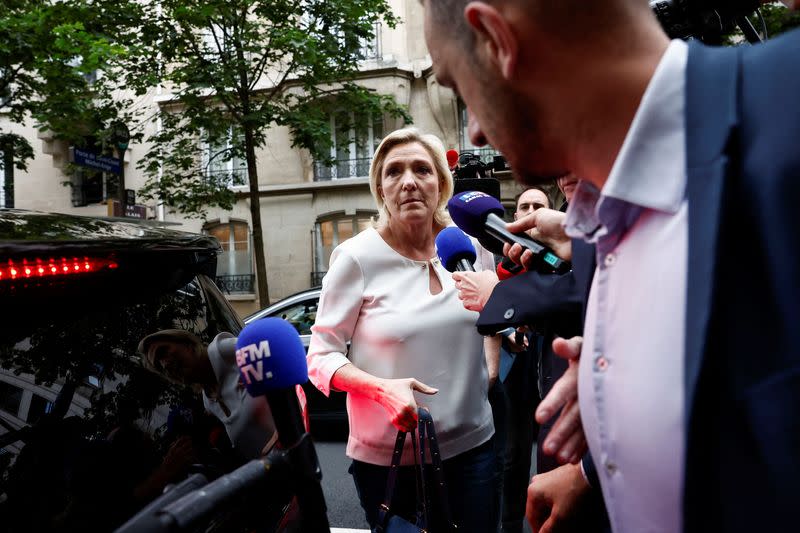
x: 307, y: 208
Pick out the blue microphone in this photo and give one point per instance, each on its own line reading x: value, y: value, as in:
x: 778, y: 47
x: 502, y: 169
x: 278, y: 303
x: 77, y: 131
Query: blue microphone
x: 480, y: 215
x: 455, y: 250
x: 270, y: 356
x: 272, y: 361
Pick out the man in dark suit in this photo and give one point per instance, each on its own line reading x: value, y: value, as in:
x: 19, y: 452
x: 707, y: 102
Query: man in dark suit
x: 689, y: 384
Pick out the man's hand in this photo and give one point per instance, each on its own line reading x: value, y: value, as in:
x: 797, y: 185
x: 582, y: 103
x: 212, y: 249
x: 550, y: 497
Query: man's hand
x: 544, y: 225
x: 397, y: 397
x: 475, y: 288
x: 511, y: 340
x: 555, y: 498
x: 566, y: 439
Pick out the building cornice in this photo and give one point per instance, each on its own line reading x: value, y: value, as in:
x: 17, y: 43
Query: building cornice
x: 379, y: 69
x: 285, y: 189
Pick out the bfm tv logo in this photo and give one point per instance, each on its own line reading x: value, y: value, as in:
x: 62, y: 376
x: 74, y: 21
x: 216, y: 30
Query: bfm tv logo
x: 467, y: 197
x: 250, y: 360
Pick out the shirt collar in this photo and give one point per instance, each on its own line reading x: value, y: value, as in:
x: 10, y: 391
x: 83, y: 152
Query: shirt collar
x: 650, y: 169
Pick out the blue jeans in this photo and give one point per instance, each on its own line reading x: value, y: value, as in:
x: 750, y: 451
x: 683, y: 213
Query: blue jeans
x: 472, y: 491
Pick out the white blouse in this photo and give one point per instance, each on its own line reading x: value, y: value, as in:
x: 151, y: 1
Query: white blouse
x: 380, y: 302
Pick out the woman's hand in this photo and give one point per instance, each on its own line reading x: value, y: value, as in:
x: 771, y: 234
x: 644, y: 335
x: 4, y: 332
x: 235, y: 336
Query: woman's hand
x: 397, y: 397
x: 475, y: 288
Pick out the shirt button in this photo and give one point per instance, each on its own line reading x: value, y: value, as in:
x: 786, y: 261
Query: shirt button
x: 600, y: 363
x: 611, y: 467
x: 508, y: 314
x: 610, y: 260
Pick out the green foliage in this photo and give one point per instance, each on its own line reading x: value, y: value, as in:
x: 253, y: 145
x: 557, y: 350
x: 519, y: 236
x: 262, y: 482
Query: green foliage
x: 247, y: 66
x: 778, y: 19
x: 50, y: 51
x: 17, y: 145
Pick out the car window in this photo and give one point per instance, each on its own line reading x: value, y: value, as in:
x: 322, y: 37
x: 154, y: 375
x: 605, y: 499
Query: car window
x: 301, y: 315
x: 87, y: 435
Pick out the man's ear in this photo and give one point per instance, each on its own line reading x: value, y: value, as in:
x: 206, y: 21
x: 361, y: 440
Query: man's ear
x: 495, y: 35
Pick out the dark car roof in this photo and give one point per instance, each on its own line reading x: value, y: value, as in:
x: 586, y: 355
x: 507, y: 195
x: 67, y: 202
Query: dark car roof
x: 25, y: 230
x: 126, y: 261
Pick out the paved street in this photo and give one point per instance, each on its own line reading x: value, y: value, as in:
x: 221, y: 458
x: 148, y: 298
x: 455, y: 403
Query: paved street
x: 344, y: 510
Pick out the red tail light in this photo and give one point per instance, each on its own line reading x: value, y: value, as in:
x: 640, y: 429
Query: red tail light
x: 39, y: 267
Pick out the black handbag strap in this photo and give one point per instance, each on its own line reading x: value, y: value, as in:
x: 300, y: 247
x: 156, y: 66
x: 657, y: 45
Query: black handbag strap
x: 384, y: 513
x: 426, y: 426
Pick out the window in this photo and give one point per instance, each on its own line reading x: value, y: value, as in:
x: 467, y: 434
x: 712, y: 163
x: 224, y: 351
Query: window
x: 487, y: 152
x: 354, y: 138
x: 10, y: 398
x: 302, y: 316
x: 371, y: 48
x: 92, y: 186
x: 329, y: 233
x: 235, y: 263
x: 39, y: 407
x: 223, y: 163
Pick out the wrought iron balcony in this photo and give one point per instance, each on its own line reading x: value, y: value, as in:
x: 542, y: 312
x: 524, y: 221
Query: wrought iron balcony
x: 237, y: 284
x: 486, y: 154
x: 342, y: 168
x: 228, y: 178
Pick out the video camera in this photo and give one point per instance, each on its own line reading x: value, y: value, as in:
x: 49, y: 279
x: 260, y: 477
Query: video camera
x: 473, y: 174
x: 707, y: 20
x: 470, y: 165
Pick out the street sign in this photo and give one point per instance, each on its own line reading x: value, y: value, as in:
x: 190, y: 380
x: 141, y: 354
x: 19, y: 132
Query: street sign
x: 89, y: 159
x: 131, y: 211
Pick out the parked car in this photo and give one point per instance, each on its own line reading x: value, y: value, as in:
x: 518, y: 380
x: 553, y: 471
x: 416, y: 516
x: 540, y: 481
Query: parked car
x: 88, y: 436
x: 328, y: 415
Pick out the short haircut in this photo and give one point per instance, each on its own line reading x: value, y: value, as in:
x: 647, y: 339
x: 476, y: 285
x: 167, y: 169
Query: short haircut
x: 538, y: 188
x: 435, y: 149
x: 450, y: 14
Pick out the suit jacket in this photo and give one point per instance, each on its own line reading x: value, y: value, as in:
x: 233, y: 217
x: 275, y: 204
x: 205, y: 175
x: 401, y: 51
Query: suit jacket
x: 530, y: 297
x: 742, y: 356
x: 742, y: 378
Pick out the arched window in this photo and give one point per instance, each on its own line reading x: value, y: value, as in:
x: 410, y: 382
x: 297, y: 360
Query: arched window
x: 329, y: 232
x: 235, y: 263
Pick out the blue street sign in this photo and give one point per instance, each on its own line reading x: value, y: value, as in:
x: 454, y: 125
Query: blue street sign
x: 105, y: 163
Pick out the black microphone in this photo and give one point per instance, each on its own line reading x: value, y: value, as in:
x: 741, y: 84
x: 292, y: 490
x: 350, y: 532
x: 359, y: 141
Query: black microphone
x: 479, y: 215
x: 455, y: 250
x: 272, y: 362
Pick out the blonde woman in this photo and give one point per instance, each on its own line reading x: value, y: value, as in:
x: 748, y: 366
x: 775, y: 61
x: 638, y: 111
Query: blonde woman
x: 411, y: 339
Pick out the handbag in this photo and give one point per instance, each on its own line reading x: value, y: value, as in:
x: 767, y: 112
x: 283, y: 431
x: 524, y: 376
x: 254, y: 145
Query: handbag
x: 392, y: 523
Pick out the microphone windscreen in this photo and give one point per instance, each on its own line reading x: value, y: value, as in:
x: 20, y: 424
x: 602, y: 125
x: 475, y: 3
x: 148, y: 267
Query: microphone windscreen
x: 452, y: 158
x: 469, y: 211
x: 270, y: 356
x: 452, y: 245
x: 507, y: 269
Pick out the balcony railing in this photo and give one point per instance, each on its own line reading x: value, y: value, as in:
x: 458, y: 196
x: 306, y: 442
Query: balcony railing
x: 342, y: 168
x: 228, y: 178
x: 237, y: 284
x: 486, y: 154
